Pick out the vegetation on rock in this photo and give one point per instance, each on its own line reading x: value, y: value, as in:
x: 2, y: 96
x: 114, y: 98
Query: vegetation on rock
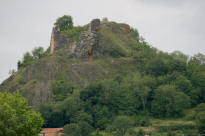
x: 64, y: 23
x: 126, y: 88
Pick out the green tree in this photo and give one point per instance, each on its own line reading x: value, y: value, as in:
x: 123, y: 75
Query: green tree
x: 38, y: 52
x: 182, y: 84
x: 77, y: 129
x: 157, y: 67
x: 52, y: 117
x: 16, y: 118
x: 140, y: 133
x: 135, y: 33
x: 61, y: 88
x: 200, y: 117
x: 121, y: 124
x: 178, y: 55
x: 200, y: 122
x: 27, y: 59
x: 72, y: 130
x: 168, y: 102
x: 64, y: 23
x: 105, y: 20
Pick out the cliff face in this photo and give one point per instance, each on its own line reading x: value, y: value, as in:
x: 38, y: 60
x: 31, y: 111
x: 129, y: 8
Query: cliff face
x: 83, y: 48
x: 101, y: 51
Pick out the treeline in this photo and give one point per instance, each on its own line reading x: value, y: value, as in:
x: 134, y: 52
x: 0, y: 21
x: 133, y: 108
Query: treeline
x: 164, y: 86
x: 29, y: 58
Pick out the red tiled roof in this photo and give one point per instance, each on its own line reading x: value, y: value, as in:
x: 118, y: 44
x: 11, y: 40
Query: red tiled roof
x: 51, y: 131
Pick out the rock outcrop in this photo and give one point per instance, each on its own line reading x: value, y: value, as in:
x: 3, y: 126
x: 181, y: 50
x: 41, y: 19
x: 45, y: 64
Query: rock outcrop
x: 108, y: 44
x: 83, y: 48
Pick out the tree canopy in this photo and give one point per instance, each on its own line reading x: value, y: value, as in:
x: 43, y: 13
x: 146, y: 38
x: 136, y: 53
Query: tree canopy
x: 64, y: 23
x: 16, y: 118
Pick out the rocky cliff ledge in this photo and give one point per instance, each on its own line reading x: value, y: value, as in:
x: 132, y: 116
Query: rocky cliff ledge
x: 82, y: 48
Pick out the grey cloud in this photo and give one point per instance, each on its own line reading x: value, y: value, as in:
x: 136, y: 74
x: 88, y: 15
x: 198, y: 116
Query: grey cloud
x: 167, y: 24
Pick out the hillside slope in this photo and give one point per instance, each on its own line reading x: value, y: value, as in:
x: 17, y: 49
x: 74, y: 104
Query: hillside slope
x: 95, y: 51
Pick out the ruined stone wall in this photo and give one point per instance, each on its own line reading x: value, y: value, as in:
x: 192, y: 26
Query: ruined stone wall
x: 57, y: 40
x: 84, y: 48
x: 52, y: 43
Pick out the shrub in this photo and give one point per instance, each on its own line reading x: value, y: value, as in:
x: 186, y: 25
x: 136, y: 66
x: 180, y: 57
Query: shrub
x: 77, y: 129
x: 64, y: 23
x: 121, y: 124
x: 175, y: 127
x: 116, y: 53
x: 74, y: 32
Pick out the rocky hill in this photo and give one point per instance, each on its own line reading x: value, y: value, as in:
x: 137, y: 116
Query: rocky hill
x: 104, y: 77
x: 96, y: 51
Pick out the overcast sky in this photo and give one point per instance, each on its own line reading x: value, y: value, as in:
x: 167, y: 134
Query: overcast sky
x: 168, y: 25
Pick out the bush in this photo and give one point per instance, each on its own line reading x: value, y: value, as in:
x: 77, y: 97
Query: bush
x: 116, y: 53
x: 28, y: 58
x: 77, y: 129
x: 60, y: 89
x: 171, y: 134
x: 74, y: 32
x: 121, y: 124
x: 38, y: 52
x: 142, y: 120
x: 168, y: 102
x: 64, y: 23
x: 175, y: 127
x: 141, y: 132
x: 135, y: 33
x: 200, y: 117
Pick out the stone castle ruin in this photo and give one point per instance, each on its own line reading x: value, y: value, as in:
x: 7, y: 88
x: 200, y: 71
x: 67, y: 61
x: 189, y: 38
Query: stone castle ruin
x: 83, y: 48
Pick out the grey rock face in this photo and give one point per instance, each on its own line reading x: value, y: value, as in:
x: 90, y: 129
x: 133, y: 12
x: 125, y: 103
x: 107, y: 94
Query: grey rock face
x: 59, y: 40
x: 84, y: 48
x: 95, y: 24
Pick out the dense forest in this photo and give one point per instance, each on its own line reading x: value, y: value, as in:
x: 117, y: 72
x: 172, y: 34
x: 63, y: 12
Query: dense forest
x: 165, y: 87
x: 155, y: 86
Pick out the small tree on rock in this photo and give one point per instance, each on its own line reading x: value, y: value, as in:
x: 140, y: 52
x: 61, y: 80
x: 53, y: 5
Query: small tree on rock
x: 64, y: 23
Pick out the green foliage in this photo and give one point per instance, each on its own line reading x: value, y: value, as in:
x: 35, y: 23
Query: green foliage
x: 120, y: 125
x: 200, y: 118
x: 178, y: 55
x: 105, y: 20
x: 73, y: 32
x: 38, y: 52
x: 175, y: 127
x: 52, y: 117
x: 149, y: 83
x: 141, y: 133
x: 168, y: 102
x: 27, y: 59
x: 116, y: 52
x: 171, y: 134
x: 61, y: 88
x: 77, y: 129
x: 157, y: 67
x: 135, y: 33
x: 142, y: 120
x: 200, y: 121
x: 64, y: 112
x: 72, y: 130
x: 16, y: 118
x: 64, y: 23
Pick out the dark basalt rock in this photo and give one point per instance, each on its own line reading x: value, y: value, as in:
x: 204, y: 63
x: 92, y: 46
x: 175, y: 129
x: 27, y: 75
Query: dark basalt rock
x: 95, y: 24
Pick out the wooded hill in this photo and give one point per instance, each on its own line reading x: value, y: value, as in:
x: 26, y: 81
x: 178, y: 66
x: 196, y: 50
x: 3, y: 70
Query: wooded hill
x: 104, y: 76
